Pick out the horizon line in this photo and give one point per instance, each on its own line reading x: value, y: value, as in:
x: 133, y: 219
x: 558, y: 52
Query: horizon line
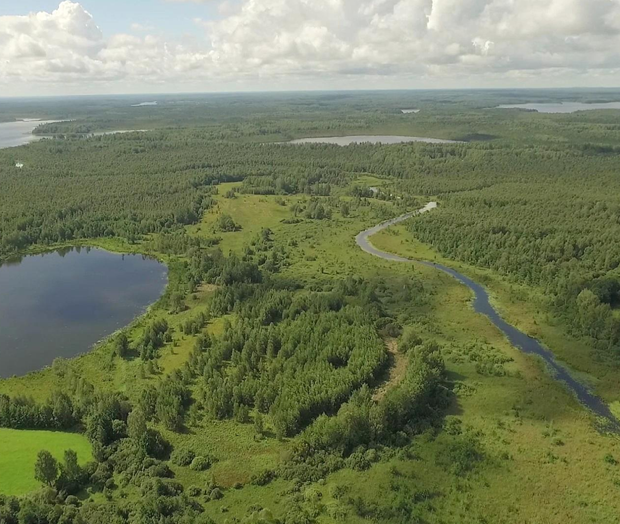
x: 309, y: 91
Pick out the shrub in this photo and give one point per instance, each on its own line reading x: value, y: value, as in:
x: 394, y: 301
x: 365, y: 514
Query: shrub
x: 194, y: 491
x: 160, y: 470
x: 338, y: 491
x: 263, y: 478
x: 453, y: 425
x: 182, y: 457
x: 408, y: 341
x: 372, y: 455
x: 119, y: 429
x: 110, y: 484
x: 462, y: 455
x: 226, y: 223
x: 72, y: 500
x: 201, y: 463
x: 216, y: 494
x: 357, y: 461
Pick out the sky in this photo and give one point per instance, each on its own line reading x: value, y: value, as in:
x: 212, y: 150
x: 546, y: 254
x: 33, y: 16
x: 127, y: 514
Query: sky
x: 53, y: 47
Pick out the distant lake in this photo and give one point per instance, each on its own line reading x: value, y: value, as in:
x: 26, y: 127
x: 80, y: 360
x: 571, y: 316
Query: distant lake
x: 13, y: 134
x: 60, y: 304
x: 372, y: 139
x: 562, y: 107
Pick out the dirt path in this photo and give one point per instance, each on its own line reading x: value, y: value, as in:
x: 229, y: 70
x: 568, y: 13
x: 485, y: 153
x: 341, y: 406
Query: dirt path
x: 396, y: 372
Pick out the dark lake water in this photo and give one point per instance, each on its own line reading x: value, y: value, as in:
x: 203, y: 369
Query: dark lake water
x: 60, y: 304
x: 516, y: 337
x: 372, y: 139
x: 563, y: 107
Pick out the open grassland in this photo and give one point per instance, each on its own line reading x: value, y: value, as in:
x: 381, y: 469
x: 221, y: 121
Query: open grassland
x: 251, y: 212
x: 18, y: 453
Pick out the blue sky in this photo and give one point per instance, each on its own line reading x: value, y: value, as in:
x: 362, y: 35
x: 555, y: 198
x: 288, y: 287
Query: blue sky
x: 117, y: 16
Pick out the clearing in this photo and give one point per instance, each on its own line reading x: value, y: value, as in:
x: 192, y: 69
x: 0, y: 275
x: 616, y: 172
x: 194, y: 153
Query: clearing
x: 18, y: 453
x: 396, y: 371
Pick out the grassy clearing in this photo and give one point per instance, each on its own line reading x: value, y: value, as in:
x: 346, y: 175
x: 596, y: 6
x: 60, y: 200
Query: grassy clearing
x: 251, y: 212
x: 239, y: 455
x: 18, y: 453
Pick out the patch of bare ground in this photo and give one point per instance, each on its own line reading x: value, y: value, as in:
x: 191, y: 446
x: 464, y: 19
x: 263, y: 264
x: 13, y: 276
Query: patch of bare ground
x: 397, y: 367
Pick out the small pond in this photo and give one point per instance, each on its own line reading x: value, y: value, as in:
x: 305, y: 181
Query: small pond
x: 372, y: 139
x: 59, y: 304
x: 562, y: 107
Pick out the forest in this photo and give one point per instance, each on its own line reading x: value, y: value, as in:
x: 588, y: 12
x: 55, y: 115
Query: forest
x: 287, y: 377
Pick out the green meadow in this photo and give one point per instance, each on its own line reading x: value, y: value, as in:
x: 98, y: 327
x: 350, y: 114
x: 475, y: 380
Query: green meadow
x: 18, y: 453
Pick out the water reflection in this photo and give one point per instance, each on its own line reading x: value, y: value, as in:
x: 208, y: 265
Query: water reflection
x: 59, y: 304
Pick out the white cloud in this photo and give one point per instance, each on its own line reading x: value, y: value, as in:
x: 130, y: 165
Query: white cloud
x: 325, y: 43
x: 142, y: 28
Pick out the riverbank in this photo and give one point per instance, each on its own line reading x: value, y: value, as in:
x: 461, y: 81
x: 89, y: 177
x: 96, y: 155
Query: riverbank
x: 493, y: 303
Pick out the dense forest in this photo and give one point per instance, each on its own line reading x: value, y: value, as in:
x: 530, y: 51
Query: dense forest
x: 312, y: 370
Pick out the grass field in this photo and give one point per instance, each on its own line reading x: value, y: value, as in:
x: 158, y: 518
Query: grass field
x: 18, y: 453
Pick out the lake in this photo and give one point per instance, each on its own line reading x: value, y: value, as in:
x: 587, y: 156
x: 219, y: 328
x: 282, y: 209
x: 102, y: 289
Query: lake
x: 61, y: 303
x: 372, y: 139
x: 562, y: 107
x: 13, y: 134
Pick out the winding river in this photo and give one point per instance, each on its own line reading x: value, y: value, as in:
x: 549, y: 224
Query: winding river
x: 483, y: 305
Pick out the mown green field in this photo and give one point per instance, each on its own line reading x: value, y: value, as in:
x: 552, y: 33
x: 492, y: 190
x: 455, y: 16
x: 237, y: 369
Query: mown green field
x: 18, y: 453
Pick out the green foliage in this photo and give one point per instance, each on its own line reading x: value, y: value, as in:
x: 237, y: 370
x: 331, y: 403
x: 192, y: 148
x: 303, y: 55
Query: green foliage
x: 46, y: 468
x: 534, y: 200
x: 153, y: 339
x: 463, y: 454
x: 121, y: 345
x: 201, y: 463
x: 226, y: 224
x: 280, y: 333
x: 182, y: 457
x: 549, y: 227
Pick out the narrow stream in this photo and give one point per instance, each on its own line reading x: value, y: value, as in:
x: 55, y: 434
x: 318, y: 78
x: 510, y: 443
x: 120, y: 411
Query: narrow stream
x: 482, y: 305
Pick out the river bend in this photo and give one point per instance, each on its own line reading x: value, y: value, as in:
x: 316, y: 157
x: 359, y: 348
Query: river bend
x: 483, y: 305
